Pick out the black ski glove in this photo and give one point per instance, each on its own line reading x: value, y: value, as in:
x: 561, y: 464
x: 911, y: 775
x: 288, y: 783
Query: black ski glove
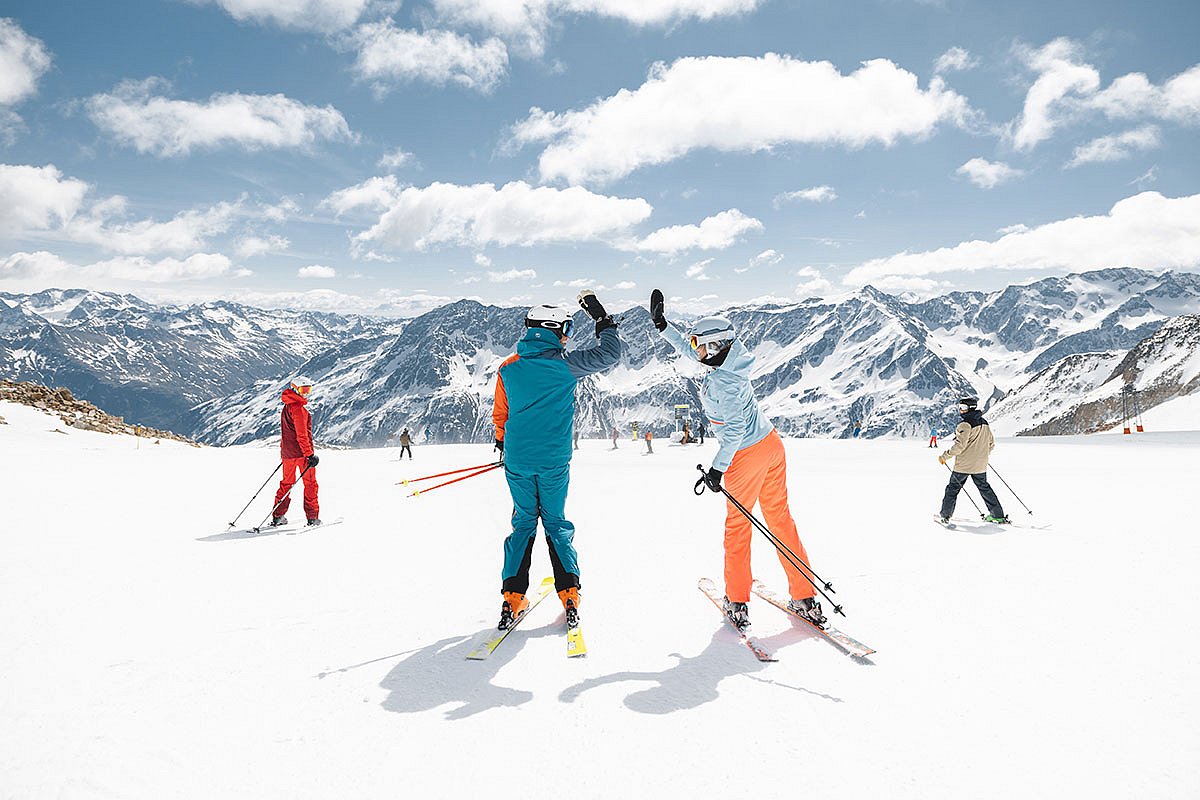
x: 657, y: 314
x: 499, y: 446
x: 595, y: 310
x: 313, y: 460
x: 712, y: 479
x: 589, y: 303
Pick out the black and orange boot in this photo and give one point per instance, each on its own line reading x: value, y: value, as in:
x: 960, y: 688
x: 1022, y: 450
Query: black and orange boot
x: 514, y: 605
x: 570, y: 601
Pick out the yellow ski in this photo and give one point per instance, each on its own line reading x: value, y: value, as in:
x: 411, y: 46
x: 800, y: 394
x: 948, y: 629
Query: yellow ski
x: 492, y: 639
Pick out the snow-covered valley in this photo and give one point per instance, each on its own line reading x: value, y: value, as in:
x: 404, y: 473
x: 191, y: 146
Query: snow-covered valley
x: 149, y: 654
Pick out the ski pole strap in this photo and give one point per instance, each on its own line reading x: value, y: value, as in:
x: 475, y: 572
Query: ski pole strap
x: 456, y: 480
x: 450, y: 472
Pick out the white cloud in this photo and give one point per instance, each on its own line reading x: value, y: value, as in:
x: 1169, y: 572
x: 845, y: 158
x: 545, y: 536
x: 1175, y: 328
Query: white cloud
x: 1146, y: 178
x: 527, y: 22
x: 813, y: 194
x: 316, y: 271
x: 912, y: 289
x: 47, y: 266
x: 1116, y: 147
x: 36, y: 198
x: 578, y: 283
x: 988, y: 174
x: 512, y: 275
x: 281, y: 211
x: 713, y: 233
x: 624, y: 285
x: 23, y: 61
x: 395, y: 159
x: 1067, y: 88
x: 1061, y: 76
x: 956, y: 59
x: 698, y: 271
x: 1020, y: 227
x: 1146, y: 231
x: 251, y: 246
x: 737, y: 105
x: 187, y: 231
x: 383, y: 303
x: 325, y: 16
x: 765, y: 258
x: 815, y: 286
x: 479, y: 215
x: 387, y: 54
x: 151, y: 123
x: 482, y: 260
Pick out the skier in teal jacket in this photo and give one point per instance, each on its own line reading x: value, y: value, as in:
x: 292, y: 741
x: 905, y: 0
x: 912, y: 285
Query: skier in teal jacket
x: 534, y: 413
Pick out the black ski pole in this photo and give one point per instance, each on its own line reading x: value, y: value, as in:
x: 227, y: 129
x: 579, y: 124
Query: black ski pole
x: 1014, y: 494
x: 258, y: 528
x: 804, y: 569
x: 968, y: 494
x: 256, y: 494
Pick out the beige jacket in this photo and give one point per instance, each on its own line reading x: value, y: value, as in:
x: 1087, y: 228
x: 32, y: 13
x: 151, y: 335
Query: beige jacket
x: 972, y: 444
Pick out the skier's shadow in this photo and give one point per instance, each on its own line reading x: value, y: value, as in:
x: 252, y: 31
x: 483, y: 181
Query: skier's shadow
x: 440, y: 673
x: 694, y: 681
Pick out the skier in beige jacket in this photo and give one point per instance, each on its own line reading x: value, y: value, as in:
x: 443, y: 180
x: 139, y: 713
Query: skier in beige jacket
x: 973, y: 442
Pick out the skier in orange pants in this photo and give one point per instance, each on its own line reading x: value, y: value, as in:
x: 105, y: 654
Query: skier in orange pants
x: 750, y: 459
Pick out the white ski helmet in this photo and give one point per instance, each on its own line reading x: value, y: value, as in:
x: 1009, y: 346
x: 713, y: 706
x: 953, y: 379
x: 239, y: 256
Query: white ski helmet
x: 552, y: 317
x: 301, y: 384
x: 716, y: 332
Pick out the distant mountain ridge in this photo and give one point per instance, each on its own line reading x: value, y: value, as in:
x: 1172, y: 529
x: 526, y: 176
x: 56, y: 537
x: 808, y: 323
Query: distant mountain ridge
x: 152, y: 363
x: 894, y: 367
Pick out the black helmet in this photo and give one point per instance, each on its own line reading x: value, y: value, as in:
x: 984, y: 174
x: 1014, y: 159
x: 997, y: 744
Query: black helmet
x: 966, y: 404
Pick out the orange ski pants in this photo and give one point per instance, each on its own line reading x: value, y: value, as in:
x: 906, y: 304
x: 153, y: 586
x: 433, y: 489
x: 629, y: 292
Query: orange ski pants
x: 758, y: 474
x: 282, y: 497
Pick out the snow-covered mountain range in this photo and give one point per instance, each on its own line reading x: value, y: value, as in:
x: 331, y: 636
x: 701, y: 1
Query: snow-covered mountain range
x: 824, y: 366
x: 152, y: 363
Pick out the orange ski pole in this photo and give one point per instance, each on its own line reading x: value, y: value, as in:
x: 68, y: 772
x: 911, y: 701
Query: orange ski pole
x: 456, y: 480
x: 407, y: 481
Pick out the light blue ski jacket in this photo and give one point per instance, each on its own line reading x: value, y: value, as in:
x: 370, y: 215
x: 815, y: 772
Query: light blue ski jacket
x: 728, y: 400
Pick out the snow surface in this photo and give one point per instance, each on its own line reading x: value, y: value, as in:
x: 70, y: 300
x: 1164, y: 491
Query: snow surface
x: 147, y: 654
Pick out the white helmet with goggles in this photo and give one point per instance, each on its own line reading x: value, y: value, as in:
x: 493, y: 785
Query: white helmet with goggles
x: 551, y: 317
x: 301, y: 384
x: 716, y: 332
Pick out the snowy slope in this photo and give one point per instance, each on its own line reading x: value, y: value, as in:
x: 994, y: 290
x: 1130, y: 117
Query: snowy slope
x: 148, y: 655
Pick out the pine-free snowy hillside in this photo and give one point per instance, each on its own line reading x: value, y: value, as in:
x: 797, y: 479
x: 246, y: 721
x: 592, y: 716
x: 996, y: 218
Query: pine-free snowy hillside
x: 149, y: 654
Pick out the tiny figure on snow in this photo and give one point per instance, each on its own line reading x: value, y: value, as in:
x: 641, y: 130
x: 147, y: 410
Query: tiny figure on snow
x: 649, y: 443
x: 703, y: 431
x: 405, y: 444
x: 750, y: 459
x: 296, y: 451
x: 615, y: 435
x: 687, y: 434
x: 933, y: 438
x: 973, y: 442
x: 534, y: 413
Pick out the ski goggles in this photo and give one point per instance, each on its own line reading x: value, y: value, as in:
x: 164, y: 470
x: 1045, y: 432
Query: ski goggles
x: 301, y: 390
x: 563, y: 328
x: 698, y: 341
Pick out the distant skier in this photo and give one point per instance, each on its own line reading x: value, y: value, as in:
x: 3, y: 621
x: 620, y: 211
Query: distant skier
x: 534, y: 413
x: 751, y: 459
x: 615, y: 434
x: 973, y: 442
x: 405, y: 444
x: 687, y: 435
x: 857, y: 428
x: 933, y: 438
x: 575, y: 437
x: 649, y: 443
x: 296, y: 450
x: 703, y: 431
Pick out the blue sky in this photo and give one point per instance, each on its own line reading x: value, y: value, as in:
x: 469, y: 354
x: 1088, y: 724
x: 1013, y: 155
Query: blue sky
x: 388, y: 157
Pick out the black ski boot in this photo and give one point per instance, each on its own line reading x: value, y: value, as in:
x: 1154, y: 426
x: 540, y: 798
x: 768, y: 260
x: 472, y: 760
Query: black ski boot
x: 314, y: 522
x: 277, y: 521
x: 810, y: 609
x: 738, y: 613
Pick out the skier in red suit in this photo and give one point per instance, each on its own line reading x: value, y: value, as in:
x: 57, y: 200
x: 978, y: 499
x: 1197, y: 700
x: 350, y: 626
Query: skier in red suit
x: 296, y: 450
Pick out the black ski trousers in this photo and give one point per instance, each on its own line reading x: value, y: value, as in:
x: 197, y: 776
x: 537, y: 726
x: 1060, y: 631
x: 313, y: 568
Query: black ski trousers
x: 957, y: 479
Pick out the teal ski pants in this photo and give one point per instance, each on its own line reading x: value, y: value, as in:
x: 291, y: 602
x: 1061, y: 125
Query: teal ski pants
x: 541, y: 494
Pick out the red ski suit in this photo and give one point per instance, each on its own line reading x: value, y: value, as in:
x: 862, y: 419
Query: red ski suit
x: 295, y: 446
